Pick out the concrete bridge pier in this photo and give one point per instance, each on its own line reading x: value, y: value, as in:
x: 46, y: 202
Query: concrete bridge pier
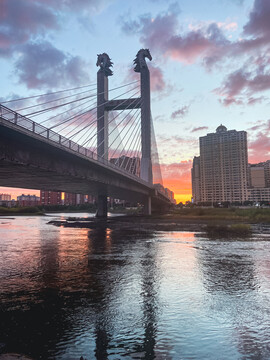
x: 147, y: 206
x: 102, y: 207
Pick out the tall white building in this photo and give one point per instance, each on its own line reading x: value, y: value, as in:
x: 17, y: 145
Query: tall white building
x: 223, y: 166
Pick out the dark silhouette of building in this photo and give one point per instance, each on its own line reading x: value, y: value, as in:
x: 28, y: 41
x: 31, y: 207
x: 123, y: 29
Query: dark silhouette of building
x: 28, y: 200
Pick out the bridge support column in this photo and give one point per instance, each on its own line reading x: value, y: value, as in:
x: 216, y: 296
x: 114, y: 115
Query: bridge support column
x: 102, y: 114
x: 102, y: 134
x: 147, y: 206
x: 146, y: 163
x: 102, y: 208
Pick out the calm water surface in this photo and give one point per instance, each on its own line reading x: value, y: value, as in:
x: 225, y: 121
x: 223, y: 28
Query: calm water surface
x: 108, y: 294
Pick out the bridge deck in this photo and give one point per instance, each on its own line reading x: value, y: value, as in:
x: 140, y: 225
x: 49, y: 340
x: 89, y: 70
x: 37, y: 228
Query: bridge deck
x: 33, y: 156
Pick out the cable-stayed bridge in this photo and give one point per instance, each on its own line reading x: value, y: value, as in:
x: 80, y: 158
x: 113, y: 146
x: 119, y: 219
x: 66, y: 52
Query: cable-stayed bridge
x: 81, y: 140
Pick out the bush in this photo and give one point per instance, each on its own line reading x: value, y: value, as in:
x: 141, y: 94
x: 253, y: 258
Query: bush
x: 20, y: 210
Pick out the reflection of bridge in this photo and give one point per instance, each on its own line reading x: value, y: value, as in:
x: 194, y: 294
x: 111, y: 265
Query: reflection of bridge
x: 120, y: 165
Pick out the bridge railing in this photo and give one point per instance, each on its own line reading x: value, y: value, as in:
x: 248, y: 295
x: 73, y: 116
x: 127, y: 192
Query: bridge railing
x: 34, y: 127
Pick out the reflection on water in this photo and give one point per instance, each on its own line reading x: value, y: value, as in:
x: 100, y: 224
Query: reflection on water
x: 109, y: 294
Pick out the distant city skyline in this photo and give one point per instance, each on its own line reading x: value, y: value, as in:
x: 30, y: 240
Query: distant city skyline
x: 211, y: 65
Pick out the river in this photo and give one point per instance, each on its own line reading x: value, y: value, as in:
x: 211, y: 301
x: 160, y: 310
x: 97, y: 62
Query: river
x: 109, y: 294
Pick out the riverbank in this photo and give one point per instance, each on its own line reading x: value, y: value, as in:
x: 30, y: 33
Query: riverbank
x: 250, y: 215
x: 28, y: 210
x: 167, y: 223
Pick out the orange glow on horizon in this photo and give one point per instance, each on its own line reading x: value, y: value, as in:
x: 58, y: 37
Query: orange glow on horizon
x: 181, y: 188
x: 182, y: 198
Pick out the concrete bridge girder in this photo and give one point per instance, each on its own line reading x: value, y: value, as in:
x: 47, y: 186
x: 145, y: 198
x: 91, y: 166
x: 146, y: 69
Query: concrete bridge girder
x: 30, y: 162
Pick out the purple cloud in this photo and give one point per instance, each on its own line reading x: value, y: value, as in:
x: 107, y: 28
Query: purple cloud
x: 200, y: 128
x: 21, y: 20
x: 240, y: 85
x: 157, y: 81
x: 180, y: 113
x: 42, y: 65
x: 259, y: 24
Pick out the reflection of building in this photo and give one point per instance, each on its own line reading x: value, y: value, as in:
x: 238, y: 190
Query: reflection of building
x: 131, y: 164
x: 50, y: 197
x: 28, y: 200
x: 223, y: 166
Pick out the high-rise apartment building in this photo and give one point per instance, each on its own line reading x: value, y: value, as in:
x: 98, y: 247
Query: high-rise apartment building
x: 223, y: 165
x: 259, y: 174
x: 70, y: 199
x: 259, y: 182
x: 195, y: 178
x: 50, y: 197
x: 256, y: 175
x: 5, y: 197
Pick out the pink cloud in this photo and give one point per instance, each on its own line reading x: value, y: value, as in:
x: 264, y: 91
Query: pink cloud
x: 259, y: 149
x: 259, y: 145
x: 157, y: 81
x: 157, y: 78
x: 207, y: 43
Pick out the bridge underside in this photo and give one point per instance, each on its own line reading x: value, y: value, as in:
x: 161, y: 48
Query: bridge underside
x: 27, y: 162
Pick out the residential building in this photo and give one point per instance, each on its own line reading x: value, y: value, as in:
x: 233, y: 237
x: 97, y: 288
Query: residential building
x: 195, y: 178
x: 256, y: 176
x: 5, y: 200
x: 259, y: 182
x: 5, y: 197
x: 50, y: 197
x: 223, y: 167
x: 70, y: 199
x: 28, y: 200
x: 259, y: 195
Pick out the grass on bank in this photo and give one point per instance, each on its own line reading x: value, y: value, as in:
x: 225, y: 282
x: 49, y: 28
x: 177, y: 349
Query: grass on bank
x: 227, y: 230
x: 252, y: 215
x: 20, y: 210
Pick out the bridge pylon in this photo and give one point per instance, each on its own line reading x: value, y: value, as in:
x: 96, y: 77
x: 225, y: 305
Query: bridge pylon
x: 104, y: 106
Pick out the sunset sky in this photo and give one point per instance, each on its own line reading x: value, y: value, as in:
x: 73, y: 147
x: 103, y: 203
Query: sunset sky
x: 211, y: 64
